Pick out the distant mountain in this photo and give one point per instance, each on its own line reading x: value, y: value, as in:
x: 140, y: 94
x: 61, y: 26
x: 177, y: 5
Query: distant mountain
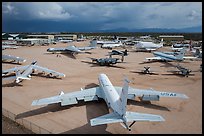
x: 197, y: 29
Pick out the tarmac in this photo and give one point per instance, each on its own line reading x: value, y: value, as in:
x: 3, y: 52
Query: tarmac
x: 182, y: 116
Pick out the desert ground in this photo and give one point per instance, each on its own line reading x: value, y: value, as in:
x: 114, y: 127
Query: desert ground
x: 182, y: 116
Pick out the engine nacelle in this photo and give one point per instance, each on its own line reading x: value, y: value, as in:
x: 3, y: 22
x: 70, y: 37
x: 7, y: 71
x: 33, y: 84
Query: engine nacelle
x: 150, y: 98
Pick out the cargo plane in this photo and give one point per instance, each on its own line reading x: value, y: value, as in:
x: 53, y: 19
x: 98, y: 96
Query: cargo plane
x: 116, y: 100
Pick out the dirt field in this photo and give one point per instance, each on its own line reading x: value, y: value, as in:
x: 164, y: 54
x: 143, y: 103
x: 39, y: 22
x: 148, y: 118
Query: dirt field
x: 11, y: 127
x: 181, y: 116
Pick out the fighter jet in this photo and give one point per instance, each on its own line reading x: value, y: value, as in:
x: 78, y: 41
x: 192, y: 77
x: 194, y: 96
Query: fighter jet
x: 24, y: 72
x: 115, y: 98
x: 145, y: 71
x: 116, y: 52
x: 181, y: 71
x: 10, y: 58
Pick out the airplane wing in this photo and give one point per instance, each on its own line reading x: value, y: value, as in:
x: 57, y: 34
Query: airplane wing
x: 42, y: 69
x: 150, y: 94
x: 72, y: 98
x: 12, y: 58
x: 12, y: 70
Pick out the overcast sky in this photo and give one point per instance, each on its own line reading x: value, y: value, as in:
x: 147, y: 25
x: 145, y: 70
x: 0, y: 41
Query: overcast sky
x: 65, y: 16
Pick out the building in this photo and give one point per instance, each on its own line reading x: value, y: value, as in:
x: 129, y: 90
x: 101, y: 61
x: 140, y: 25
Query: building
x: 31, y: 41
x: 171, y: 37
x: 50, y: 38
x: 65, y: 37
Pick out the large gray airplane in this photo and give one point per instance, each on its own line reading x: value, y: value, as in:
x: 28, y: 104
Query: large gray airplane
x: 24, y: 72
x: 162, y: 56
x: 73, y: 49
x: 10, y: 58
x: 115, y: 98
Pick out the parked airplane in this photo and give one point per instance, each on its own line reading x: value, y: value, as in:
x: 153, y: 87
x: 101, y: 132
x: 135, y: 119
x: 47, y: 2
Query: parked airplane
x: 72, y: 49
x: 196, y: 54
x: 116, y: 100
x: 9, y: 47
x: 111, y: 45
x: 93, y: 45
x: 181, y: 71
x: 65, y: 41
x: 148, y: 46
x: 105, y: 61
x: 116, y: 52
x: 24, y: 72
x: 9, y: 58
x: 145, y: 71
x: 162, y: 56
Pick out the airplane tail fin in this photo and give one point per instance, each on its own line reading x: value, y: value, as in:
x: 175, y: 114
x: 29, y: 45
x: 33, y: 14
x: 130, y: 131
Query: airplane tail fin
x: 161, y: 43
x: 181, y: 54
x: 93, y: 43
x: 123, y: 96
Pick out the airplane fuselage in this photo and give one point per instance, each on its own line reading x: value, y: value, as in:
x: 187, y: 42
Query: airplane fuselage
x: 164, y: 56
x: 111, y: 95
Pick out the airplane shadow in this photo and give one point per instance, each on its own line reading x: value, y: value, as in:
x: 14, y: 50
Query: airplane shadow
x: 176, y: 74
x: 45, y: 76
x: 93, y: 109
x: 59, y: 55
x: 16, y: 63
x: 13, y: 84
x: 147, y: 104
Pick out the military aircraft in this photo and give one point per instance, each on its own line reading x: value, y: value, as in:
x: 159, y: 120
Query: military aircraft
x: 9, y: 47
x: 148, y: 46
x: 145, y: 71
x: 105, y: 61
x: 72, y: 49
x: 181, y: 71
x: 162, y: 56
x: 111, y: 45
x: 10, y: 58
x: 115, y: 98
x: 24, y: 72
x: 116, y: 52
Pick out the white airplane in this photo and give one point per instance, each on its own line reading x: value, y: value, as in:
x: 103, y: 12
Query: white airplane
x: 115, y: 98
x: 9, y: 47
x: 24, y: 72
x: 65, y: 41
x: 148, y: 46
x: 164, y: 56
x: 111, y: 45
x: 10, y: 58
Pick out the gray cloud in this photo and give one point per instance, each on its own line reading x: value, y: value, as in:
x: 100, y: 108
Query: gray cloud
x: 110, y: 15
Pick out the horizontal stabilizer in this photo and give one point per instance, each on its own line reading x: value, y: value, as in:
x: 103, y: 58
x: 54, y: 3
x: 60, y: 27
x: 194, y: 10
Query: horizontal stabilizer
x: 105, y: 119
x: 51, y: 100
x: 135, y: 116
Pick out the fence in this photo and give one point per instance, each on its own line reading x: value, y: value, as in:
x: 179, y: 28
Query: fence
x: 27, y: 124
